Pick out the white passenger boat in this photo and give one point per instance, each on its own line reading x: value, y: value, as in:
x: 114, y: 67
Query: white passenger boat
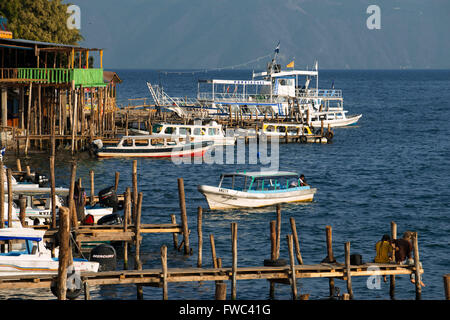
x: 256, y: 189
x: 273, y: 93
x: 197, y: 132
x: 153, y: 146
x: 27, y: 254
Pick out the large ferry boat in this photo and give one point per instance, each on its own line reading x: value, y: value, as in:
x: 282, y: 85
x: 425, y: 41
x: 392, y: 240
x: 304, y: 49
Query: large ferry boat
x: 274, y: 93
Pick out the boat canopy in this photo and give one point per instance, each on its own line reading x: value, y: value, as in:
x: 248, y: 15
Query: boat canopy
x: 262, y: 174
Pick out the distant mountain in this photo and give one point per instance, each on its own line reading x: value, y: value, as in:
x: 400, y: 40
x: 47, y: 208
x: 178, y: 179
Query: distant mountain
x: 171, y: 34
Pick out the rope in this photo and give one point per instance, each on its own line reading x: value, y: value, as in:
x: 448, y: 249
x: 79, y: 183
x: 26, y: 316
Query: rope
x: 218, y: 68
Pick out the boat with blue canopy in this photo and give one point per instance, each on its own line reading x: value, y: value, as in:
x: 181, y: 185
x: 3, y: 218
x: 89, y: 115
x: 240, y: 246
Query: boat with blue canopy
x: 256, y: 189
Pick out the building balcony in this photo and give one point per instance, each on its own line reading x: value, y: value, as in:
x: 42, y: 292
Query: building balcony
x: 80, y: 77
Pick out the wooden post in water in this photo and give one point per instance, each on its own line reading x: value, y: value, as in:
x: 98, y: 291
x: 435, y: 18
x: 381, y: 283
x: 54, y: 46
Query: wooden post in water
x: 23, y: 206
x: 116, y: 181
x: 53, y: 192
x: 19, y: 166
x: 174, y: 235
x: 135, y: 191
x: 126, y: 219
x: 347, y: 269
x: 221, y: 291
x: 447, y: 286
x: 73, y: 212
x: 64, y: 248
x: 2, y: 195
x: 10, y: 197
x: 138, y: 263
x: 330, y: 256
x: 292, y: 262
x: 273, y: 253
x: 278, y: 230
x: 417, y: 265
x: 234, y: 266
x: 296, y: 242
x: 200, y: 236
x: 213, y: 250
x: 183, y: 215
x: 164, y: 271
x: 91, y: 175
x: 392, y: 277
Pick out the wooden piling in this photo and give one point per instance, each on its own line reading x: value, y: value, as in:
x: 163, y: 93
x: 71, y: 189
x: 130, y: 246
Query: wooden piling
x: 135, y: 190
x: 446, y: 278
x: 91, y: 175
x: 200, y: 236
x: 174, y: 235
x: 19, y: 166
x: 73, y: 213
x: 52, y: 191
x: 278, y: 230
x: 2, y: 195
x: 417, y: 264
x: 213, y: 250
x: 164, y: 271
x: 138, y: 263
x: 10, y: 197
x: 23, y: 207
x: 234, y: 253
x: 273, y: 240
x: 292, y: 263
x: 184, y: 222
x: 330, y: 257
x: 64, y: 248
x: 392, y: 277
x: 221, y: 291
x: 126, y: 219
x: 296, y: 242
x: 347, y: 269
x: 116, y: 181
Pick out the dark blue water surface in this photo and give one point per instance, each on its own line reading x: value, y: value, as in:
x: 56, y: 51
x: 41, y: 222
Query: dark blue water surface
x: 393, y: 166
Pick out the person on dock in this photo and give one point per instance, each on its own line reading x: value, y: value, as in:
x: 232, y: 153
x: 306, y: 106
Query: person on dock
x: 384, y: 251
x: 403, y: 250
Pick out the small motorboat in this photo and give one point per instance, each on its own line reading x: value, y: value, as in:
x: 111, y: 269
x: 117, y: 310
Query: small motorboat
x: 153, y: 146
x: 27, y: 255
x: 256, y: 189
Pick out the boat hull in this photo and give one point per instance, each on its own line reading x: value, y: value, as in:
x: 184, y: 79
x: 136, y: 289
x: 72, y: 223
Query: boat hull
x: 349, y: 121
x: 198, y: 149
x: 219, y: 198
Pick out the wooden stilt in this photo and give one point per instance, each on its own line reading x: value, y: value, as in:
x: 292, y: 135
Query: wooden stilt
x: 200, y: 237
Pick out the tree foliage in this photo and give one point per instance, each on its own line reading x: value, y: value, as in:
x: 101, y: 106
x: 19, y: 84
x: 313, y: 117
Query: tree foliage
x: 39, y: 20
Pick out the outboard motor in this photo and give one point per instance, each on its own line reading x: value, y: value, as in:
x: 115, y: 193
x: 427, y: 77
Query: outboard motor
x: 105, y: 255
x: 108, y: 198
x: 110, y: 219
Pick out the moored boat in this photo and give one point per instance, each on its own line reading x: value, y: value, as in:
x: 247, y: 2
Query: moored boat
x: 256, y: 189
x: 27, y: 254
x: 154, y: 146
x: 197, y: 132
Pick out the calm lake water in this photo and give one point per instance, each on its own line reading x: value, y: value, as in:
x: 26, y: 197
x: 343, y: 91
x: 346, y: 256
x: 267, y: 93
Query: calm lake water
x: 393, y: 166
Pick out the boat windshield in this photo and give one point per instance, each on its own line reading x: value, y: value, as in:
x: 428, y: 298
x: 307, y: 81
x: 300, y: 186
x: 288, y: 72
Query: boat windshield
x: 273, y: 183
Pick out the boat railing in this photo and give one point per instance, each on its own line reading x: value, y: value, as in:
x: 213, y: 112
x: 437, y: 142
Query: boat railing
x: 320, y: 93
x: 235, y: 97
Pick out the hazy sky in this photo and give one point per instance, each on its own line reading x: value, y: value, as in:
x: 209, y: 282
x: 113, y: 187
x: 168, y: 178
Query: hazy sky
x: 164, y: 34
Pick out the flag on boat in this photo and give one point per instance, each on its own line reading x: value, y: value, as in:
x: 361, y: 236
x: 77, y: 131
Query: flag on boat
x: 277, y: 49
x: 290, y: 65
